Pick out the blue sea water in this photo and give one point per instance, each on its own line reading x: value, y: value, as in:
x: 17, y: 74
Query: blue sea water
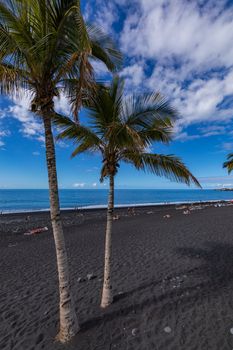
x: 30, y: 200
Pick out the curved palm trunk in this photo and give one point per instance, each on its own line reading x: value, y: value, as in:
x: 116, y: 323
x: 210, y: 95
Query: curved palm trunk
x: 107, y: 295
x: 68, y: 321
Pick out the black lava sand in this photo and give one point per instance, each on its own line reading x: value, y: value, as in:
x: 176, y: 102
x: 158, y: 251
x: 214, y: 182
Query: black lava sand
x: 172, y: 280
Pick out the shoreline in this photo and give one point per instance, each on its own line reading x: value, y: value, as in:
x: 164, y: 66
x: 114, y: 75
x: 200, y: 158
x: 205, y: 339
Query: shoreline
x: 117, y: 206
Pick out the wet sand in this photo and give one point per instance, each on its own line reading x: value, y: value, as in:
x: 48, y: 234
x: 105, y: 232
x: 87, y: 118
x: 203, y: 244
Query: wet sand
x: 172, y: 280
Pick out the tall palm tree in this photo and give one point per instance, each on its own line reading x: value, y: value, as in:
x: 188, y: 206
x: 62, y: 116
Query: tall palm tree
x: 45, y: 48
x: 229, y: 163
x: 122, y: 129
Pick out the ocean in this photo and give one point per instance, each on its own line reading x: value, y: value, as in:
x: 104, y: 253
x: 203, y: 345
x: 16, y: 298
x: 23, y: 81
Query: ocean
x: 33, y: 200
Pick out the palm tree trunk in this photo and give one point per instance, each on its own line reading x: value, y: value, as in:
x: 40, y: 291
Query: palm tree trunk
x: 68, y: 321
x: 107, y: 295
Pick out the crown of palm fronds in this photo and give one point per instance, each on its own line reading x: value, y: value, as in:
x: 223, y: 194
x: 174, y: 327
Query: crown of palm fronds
x: 46, y: 47
x: 123, y: 128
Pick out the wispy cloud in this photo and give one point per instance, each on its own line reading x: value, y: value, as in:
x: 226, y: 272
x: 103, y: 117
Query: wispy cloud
x: 3, y: 134
x: 62, y: 105
x: 182, y: 48
x: 203, y: 131
x: 105, y: 13
x: 197, y: 33
x: 1, y: 143
x: 216, y: 181
x: 93, y: 169
x: 184, y: 136
x: 36, y: 153
x: 227, y: 146
x: 79, y: 184
x: 31, y: 124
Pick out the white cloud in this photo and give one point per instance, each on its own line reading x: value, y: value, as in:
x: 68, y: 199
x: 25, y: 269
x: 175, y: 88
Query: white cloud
x: 79, y: 184
x: 61, y: 144
x: 93, y: 169
x: 135, y: 73
x: 188, y: 47
x: 20, y: 110
x: 184, y: 136
x: 227, y: 146
x: 62, y: 105
x: 198, y: 100
x: 41, y: 138
x: 104, y: 12
x: 206, y: 130
x: 100, y: 70
x: 32, y: 126
x: 182, y: 29
x: 94, y: 184
x: 3, y: 134
x: 35, y: 153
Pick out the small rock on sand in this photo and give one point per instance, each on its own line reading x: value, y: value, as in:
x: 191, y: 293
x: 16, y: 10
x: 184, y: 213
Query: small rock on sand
x: 167, y: 216
x: 81, y: 279
x: 181, y: 208
x: 12, y: 245
x: 90, y: 276
x: 167, y: 329
x: 186, y: 212
x: 135, y: 331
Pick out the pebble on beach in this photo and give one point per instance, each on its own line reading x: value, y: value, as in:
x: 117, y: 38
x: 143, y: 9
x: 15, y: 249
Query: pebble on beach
x: 81, y: 279
x: 167, y: 216
x: 135, y: 331
x: 167, y: 329
x: 91, y: 276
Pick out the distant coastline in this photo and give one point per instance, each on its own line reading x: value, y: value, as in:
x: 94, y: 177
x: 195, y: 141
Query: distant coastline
x: 226, y: 189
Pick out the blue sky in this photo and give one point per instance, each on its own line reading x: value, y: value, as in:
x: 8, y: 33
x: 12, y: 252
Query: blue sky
x: 179, y: 47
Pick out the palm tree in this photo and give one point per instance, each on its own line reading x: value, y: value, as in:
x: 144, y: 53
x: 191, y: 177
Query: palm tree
x: 229, y: 163
x: 45, y: 48
x: 122, y: 129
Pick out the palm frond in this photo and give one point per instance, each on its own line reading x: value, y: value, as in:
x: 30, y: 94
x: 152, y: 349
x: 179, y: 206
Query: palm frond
x: 161, y: 130
x: 16, y: 24
x: 229, y: 163
x: 142, y: 110
x: 104, y: 49
x: 11, y: 79
x: 86, y: 139
x: 85, y: 146
x: 168, y: 166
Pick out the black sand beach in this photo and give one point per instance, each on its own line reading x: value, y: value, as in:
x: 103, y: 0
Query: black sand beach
x: 172, y: 279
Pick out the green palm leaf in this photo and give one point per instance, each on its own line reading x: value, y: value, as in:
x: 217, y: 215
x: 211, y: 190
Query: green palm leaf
x: 86, y: 139
x: 229, y: 163
x: 103, y: 48
x: 168, y: 166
